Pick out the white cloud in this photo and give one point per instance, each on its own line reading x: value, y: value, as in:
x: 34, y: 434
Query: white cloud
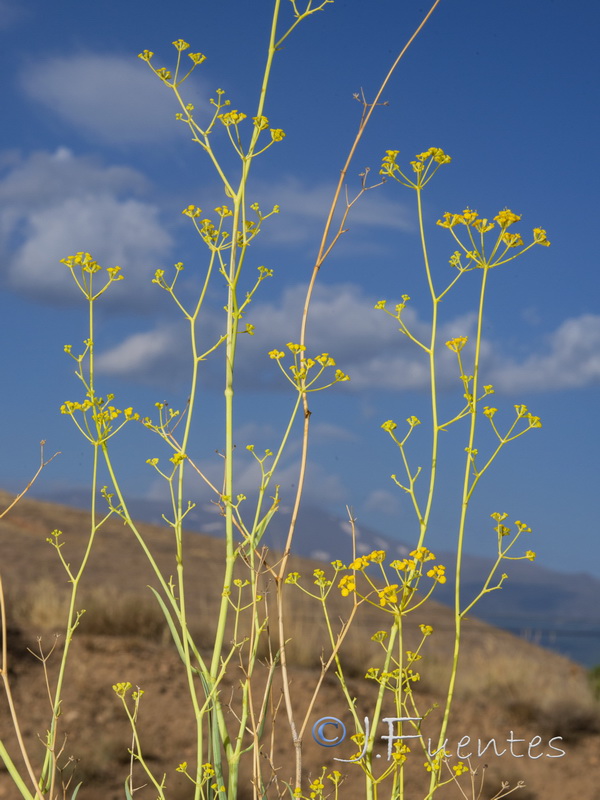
x: 52, y: 206
x: 343, y: 322
x: 304, y: 208
x: 327, y: 431
x: 321, y: 487
x: 146, y: 352
x: 368, y: 346
x: 110, y: 98
x: 381, y: 501
x: 571, y: 360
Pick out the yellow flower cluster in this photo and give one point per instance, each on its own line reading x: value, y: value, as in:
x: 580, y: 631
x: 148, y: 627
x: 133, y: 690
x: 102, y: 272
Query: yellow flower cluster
x: 347, y: 585
x: 316, y: 788
x: 87, y: 264
x: 438, y: 573
x: 302, y: 366
x: 393, y: 594
x: 457, y: 344
x: 406, y: 564
x: 425, y: 166
x: 387, y: 595
x: 435, y: 153
x: 233, y: 117
x: 360, y: 563
x: 504, y: 218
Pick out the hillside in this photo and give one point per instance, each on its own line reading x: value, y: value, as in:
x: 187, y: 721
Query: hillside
x: 509, y: 685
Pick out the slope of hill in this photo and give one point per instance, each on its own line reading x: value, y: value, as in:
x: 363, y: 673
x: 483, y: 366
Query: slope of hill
x: 557, y: 610
x: 510, y: 688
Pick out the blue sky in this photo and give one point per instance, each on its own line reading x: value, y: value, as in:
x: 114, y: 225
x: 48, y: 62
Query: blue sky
x: 92, y: 159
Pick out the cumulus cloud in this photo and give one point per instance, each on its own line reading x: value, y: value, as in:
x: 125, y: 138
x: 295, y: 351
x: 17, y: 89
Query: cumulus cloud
x: 149, y: 357
x: 367, y: 345
x: 108, y: 98
x: 304, y: 208
x: 382, y: 502
x: 54, y: 205
x: 321, y: 487
x: 343, y: 322
x: 570, y: 360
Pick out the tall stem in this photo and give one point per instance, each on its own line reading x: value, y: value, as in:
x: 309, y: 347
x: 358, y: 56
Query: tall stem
x: 467, y: 492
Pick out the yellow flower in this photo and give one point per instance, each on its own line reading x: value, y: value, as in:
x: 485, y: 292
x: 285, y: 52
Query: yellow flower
x: 347, y: 585
x: 335, y: 776
x: 388, y: 162
x: 437, y: 154
x: 449, y: 221
x: 438, y: 573
x: 262, y: 123
x: 460, y: 768
x: 422, y: 554
x: 192, y: 211
x: 380, y: 636
x: 426, y: 630
x: 522, y: 526
x: 539, y: 237
x: 457, y: 344
x: 506, y: 217
x: 180, y: 45
x: 325, y: 360
x: 296, y: 348
x: 483, y: 226
x: 512, y: 239
x: 359, y: 563
x: 388, y: 595
x: 233, y: 117
x: 468, y: 217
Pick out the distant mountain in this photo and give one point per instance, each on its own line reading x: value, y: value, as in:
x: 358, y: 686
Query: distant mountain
x: 558, y: 610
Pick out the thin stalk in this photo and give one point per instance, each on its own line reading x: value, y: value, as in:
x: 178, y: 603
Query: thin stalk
x: 322, y: 253
x: 466, y: 496
x: 424, y: 521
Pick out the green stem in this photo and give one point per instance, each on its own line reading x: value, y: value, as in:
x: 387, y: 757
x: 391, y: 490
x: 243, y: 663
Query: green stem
x: 435, y: 430
x: 468, y: 487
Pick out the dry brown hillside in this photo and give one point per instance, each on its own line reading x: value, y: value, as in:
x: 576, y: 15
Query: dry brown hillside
x: 508, y: 685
